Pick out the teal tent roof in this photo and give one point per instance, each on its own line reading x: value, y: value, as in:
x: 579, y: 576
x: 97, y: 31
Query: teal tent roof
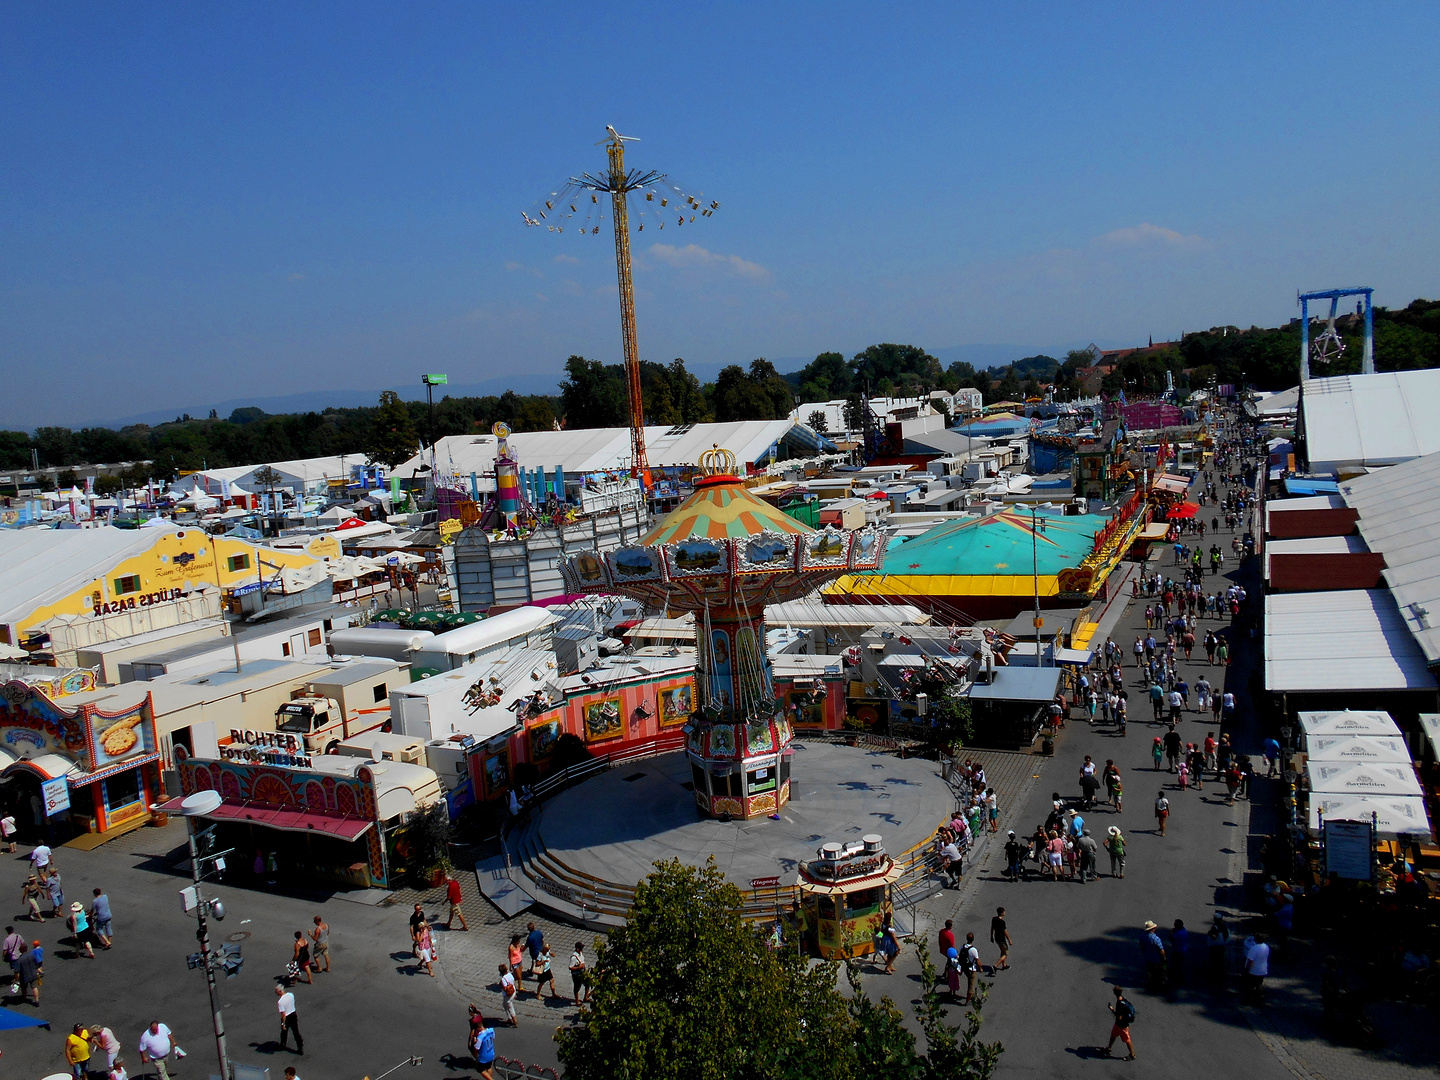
x: 998, y: 544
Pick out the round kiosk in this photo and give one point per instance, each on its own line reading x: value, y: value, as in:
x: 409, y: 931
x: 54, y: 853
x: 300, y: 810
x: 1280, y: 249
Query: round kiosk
x: 845, y: 896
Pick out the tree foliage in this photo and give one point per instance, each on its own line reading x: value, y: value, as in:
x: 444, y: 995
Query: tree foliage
x: 392, y: 432
x: 686, y: 989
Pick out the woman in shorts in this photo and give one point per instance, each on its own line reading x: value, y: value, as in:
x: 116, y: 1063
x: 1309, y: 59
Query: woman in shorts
x: 545, y: 960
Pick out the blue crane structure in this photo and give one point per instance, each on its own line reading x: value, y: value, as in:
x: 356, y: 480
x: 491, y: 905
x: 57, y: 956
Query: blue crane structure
x: 1327, y: 345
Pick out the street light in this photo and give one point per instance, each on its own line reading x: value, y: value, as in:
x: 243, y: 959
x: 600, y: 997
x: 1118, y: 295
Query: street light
x: 1036, y: 528
x: 198, y: 805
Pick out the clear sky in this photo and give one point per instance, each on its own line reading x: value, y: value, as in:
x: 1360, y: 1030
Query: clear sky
x: 208, y: 201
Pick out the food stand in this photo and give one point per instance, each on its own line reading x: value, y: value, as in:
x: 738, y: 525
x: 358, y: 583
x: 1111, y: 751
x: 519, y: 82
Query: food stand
x: 845, y: 892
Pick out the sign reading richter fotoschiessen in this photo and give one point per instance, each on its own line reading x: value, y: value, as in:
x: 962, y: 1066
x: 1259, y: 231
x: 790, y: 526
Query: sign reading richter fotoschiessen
x: 266, y: 748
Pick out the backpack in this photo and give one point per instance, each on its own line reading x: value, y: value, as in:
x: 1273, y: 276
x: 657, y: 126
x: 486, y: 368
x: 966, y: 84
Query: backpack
x: 1124, y: 1013
x: 968, y: 960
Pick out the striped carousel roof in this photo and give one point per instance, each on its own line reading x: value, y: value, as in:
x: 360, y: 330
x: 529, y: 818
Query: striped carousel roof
x: 720, y: 510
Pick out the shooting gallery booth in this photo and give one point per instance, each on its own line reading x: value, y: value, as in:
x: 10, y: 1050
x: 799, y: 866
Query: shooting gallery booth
x: 64, y: 773
x: 343, y: 818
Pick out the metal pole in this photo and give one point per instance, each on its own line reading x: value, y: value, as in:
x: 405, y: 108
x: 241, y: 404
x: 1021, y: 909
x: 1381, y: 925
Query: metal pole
x: 204, y: 936
x: 1367, y: 358
x: 1304, y: 340
x: 1035, y: 568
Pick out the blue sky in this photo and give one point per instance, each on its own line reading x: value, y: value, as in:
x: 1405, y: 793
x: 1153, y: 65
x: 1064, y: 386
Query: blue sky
x: 205, y: 202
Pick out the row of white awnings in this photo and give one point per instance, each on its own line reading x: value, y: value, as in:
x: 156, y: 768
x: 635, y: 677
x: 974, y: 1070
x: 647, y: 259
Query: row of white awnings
x: 1358, y: 768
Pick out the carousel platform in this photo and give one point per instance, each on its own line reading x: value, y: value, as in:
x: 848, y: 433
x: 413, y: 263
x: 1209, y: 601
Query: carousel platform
x: 582, y: 855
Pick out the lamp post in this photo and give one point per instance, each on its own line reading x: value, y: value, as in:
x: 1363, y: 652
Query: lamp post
x: 194, y: 806
x: 1035, y: 528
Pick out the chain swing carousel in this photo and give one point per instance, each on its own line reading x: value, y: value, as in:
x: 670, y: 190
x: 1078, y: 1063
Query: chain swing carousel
x: 724, y: 555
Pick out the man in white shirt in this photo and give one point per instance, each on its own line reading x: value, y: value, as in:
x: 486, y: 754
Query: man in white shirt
x: 289, y: 1021
x: 155, y: 1046
x: 1257, y: 966
x: 40, y: 860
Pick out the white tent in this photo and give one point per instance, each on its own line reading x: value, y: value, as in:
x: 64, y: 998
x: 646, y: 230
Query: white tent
x: 1430, y: 724
x: 199, y: 500
x: 1358, y: 749
x: 1347, y: 723
x: 1394, y: 814
x: 1348, y: 778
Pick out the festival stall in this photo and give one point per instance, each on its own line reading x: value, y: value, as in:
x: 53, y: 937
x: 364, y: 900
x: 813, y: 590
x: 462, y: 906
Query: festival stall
x: 64, y: 772
x: 846, y: 895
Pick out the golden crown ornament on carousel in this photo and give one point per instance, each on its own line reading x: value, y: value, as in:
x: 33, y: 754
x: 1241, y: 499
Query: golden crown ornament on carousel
x: 724, y: 554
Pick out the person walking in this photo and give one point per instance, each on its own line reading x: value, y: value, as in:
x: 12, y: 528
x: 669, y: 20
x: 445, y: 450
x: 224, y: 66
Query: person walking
x: 320, y: 950
x: 1257, y: 967
x: 1152, y: 950
x: 8, y: 829
x: 1173, y: 746
x: 41, y: 860
x: 427, y: 949
x: 1162, y: 811
x: 12, y: 947
x: 890, y: 944
x: 77, y: 1052
x: 1115, y: 845
x: 289, y: 1019
x: 1014, y: 859
x: 106, y: 1046
x: 30, y: 973
x: 80, y: 926
x: 456, y: 899
x: 970, y: 966
x: 416, y: 918
x: 1124, y: 1013
x: 509, y: 991
x: 534, y: 942
x: 482, y: 1044
x: 300, y: 958
x: 578, y: 968
x: 1000, y: 935
x: 156, y: 1046
x: 101, y: 921
x: 1089, y: 856
x: 546, y: 974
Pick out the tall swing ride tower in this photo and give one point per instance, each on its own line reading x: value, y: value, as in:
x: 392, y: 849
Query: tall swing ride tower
x: 578, y: 205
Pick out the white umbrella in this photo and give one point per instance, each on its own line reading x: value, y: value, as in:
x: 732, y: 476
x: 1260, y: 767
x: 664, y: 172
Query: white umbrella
x: 1367, y: 779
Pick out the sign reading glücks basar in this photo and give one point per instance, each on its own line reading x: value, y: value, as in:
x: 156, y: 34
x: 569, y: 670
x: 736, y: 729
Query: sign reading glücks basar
x: 139, y: 600
x: 265, y: 748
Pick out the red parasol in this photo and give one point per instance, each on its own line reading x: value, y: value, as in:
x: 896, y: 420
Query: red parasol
x: 1183, y: 510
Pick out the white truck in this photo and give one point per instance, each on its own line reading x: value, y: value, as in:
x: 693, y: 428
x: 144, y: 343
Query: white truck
x: 321, y: 723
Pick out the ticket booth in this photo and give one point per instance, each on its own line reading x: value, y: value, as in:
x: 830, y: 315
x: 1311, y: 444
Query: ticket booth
x: 846, y: 896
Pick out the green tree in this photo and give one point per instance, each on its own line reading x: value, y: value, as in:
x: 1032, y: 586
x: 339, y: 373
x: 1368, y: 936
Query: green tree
x: 825, y: 378
x: 108, y: 485
x: 593, y: 395
x: 817, y: 422
x: 392, y: 440
x: 854, y: 413
x: 686, y: 990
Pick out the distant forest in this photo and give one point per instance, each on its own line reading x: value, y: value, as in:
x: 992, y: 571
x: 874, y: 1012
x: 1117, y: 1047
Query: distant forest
x: 592, y: 394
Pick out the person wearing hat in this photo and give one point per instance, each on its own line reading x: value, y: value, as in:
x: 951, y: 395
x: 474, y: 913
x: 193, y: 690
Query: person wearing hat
x: 80, y: 926
x: 1153, y: 951
x: 1014, y: 857
x: 1115, y: 845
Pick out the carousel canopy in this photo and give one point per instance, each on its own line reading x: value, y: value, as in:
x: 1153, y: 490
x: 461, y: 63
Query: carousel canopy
x: 719, y: 511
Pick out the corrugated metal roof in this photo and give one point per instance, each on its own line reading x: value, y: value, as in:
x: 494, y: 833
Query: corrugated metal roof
x: 1379, y: 419
x: 1314, y: 545
x: 1399, y: 512
x: 1342, y: 641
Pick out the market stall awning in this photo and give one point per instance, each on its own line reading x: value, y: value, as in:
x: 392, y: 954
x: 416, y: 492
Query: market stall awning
x: 274, y: 817
x: 51, y: 766
x: 1363, y: 778
x: 1393, y: 814
x: 1176, y: 485
x: 1183, y: 510
x: 1156, y: 530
